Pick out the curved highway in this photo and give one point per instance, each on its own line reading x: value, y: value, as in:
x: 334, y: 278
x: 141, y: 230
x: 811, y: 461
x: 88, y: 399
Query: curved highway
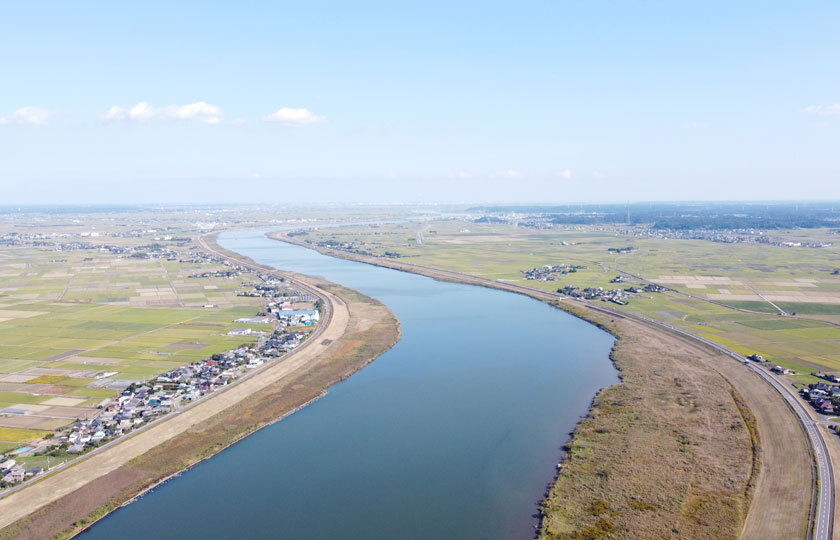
x: 822, y: 525
x: 822, y: 514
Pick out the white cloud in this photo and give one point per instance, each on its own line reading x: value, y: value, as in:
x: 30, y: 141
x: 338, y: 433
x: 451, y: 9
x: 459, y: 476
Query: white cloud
x: 565, y: 174
x: 35, y: 116
x: 294, y: 117
x: 464, y: 174
x: 510, y: 173
x: 144, y: 111
x: 824, y: 110
x: 691, y: 126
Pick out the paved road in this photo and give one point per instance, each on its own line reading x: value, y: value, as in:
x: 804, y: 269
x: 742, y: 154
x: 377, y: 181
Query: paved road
x: 823, y: 518
x: 822, y: 525
x: 823, y: 514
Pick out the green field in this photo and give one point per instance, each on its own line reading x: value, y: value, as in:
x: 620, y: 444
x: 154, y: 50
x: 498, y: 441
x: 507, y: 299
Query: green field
x: 740, y: 276
x: 73, y: 320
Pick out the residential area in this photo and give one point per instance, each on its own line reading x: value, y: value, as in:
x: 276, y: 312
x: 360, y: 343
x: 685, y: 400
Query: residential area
x: 823, y: 396
x: 616, y: 296
x: 61, y: 417
x: 143, y: 402
x: 551, y: 273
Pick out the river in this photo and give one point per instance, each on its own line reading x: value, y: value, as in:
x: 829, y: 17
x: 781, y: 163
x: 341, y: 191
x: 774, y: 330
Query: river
x: 453, y: 433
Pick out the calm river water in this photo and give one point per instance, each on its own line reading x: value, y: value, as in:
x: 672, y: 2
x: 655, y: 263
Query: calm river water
x: 453, y: 433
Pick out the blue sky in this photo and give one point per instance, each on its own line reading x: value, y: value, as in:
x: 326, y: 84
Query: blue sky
x: 377, y: 102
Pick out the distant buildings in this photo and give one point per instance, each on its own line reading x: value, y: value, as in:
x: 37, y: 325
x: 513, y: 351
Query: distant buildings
x: 140, y: 403
x: 616, y: 296
x: 551, y: 273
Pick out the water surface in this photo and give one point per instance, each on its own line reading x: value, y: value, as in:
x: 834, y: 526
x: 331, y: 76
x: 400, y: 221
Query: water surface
x: 453, y: 433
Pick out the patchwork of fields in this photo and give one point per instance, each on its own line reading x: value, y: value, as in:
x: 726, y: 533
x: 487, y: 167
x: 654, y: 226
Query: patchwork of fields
x: 751, y: 277
x: 78, y: 326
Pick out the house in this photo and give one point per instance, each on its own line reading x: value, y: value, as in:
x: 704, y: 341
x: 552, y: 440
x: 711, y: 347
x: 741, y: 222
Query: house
x: 311, y: 314
x: 780, y: 370
x: 254, y: 320
x: 33, y: 471
x: 14, y: 475
x: 76, y: 449
x: 240, y: 332
x: 826, y: 407
x: 816, y: 395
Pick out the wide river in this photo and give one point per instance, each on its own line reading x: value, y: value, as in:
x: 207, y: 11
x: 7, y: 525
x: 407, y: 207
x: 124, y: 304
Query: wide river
x: 453, y: 433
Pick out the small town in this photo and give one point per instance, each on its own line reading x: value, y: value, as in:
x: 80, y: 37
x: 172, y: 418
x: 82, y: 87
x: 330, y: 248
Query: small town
x: 616, y: 296
x: 722, y: 236
x: 141, y: 403
x: 823, y: 396
x: 550, y: 273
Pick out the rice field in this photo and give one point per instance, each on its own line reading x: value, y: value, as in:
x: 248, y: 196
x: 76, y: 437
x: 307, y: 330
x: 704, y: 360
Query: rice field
x: 746, y: 276
x: 77, y: 325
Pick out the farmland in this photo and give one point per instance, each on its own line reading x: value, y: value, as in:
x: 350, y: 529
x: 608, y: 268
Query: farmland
x: 78, y: 323
x: 94, y: 300
x: 707, y: 279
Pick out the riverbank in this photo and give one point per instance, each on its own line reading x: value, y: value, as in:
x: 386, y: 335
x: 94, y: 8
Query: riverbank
x: 689, y: 441
x: 358, y: 331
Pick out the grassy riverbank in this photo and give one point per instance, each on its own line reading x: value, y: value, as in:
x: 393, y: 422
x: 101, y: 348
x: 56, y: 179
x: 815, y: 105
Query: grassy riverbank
x: 371, y: 330
x: 680, y: 448
x: 672, y: 451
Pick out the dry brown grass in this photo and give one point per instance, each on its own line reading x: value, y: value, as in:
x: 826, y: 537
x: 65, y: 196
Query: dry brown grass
x: 670, y: 452
x: 372, y: 330
x: 690, y: 445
